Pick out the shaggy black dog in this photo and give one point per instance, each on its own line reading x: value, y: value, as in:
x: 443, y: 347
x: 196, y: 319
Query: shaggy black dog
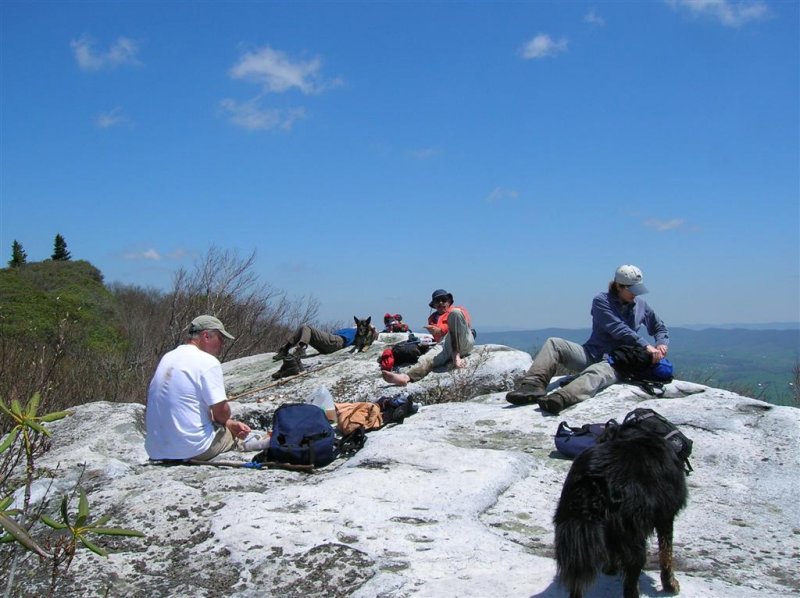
x: 615, y: 495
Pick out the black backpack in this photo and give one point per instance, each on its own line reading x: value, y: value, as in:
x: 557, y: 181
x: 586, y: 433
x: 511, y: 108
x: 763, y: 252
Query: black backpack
x: 634, y: 365
x: 396, y: 409
x: 649, y: 420
x: 408, y: 351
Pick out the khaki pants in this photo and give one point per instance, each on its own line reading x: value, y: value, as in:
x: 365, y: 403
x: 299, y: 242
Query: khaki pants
x: 222, y: 443
x: 592, y: 376
x: 321, y: 341
x: 459, y: 340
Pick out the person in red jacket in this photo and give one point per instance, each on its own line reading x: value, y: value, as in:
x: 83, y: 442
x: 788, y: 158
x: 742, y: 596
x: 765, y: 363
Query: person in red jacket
x: 451, y: 328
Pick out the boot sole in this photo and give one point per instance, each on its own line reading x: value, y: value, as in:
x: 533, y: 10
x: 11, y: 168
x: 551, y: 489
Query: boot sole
x: 529, y: 400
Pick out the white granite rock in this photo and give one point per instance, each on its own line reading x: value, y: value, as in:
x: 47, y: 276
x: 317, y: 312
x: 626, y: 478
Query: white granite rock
x: 457, y: 501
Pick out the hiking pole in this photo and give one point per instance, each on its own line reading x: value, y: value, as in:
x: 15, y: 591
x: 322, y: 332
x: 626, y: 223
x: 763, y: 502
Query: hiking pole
x: 279, y: 382
x: 254, y: 465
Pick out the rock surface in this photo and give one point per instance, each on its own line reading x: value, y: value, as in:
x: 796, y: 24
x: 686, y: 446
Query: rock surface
x: 457, y: 501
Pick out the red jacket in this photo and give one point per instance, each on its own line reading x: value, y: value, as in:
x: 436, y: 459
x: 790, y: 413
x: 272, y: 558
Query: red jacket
x: 440, y: 321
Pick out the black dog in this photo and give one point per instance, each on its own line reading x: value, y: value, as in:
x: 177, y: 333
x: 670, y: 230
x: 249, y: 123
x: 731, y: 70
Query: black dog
x: 615, y: 494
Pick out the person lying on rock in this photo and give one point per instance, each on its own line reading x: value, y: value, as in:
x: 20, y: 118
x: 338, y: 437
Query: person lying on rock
x: 617, y: 316
x: 187, y: 415
x: 323, y: 342
x: 451, y: 328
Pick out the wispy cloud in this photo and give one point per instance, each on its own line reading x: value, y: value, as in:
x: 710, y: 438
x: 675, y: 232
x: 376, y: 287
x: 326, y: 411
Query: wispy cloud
x: 424, y: 153
x: 543, y: 46
x: 276, y: 72
x: 110, y: 119
x: 665, y: 225
x: 729, y: 14
x: 252, y: 116
x: 124, y: 51
x: 154, y: 255
x: 500, y: 194
x: 593, y: 18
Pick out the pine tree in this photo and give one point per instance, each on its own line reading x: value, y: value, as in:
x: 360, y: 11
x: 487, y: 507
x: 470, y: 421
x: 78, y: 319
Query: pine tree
x: 60, y: 252
x: 18, y: 255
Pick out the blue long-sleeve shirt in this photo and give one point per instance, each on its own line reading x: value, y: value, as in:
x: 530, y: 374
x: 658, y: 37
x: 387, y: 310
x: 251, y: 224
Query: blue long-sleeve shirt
x: 348, y: 334
x: 615, y: 323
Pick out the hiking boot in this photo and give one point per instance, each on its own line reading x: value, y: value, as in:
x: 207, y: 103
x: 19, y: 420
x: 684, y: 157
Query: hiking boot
x: 526, y: 394
x: 291, y: 366
x: 552, y: 403
x: 300, y: 351
x: 282, y: 353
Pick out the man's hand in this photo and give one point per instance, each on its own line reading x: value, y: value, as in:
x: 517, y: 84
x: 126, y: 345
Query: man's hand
x: 221, y: 413
x: 436, y: 332
x: 238, y: 429
x: 662, y: 349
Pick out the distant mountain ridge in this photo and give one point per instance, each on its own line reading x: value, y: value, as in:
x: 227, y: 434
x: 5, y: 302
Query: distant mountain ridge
x: 759, y: 363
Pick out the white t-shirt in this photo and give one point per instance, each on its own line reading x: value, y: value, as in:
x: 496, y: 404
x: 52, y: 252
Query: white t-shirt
x: 187, y: 382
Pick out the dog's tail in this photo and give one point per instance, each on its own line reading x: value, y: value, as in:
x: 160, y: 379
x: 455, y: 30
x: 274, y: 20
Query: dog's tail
x: 580, y: 552
x: 580, y: 533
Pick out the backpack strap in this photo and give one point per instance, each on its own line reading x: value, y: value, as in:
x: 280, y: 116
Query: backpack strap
x: 353, y: 442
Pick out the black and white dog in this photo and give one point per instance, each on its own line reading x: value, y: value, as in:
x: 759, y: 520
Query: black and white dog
x: 615, y: 495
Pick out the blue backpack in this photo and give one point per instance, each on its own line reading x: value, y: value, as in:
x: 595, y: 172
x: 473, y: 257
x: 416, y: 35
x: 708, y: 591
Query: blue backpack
x: 571, y: 442
x: 301, y: 435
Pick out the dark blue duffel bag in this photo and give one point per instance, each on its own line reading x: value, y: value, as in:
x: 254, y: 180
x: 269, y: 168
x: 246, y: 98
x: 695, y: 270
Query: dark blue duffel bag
x: 573, y: 441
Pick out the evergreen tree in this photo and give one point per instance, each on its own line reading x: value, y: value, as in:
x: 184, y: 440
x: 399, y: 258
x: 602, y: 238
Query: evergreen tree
x: 18, y: 255
x: 60, y: 252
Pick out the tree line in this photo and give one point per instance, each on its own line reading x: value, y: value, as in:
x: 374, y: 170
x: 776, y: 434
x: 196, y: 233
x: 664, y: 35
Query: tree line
x: 69, y: 337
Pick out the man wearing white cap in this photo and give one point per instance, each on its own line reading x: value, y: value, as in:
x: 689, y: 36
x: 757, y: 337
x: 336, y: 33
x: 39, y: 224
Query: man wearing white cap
x: 188, y: 416
x: 617, y: 316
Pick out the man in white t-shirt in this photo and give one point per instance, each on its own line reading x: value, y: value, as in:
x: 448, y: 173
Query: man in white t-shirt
x: 188, y: 416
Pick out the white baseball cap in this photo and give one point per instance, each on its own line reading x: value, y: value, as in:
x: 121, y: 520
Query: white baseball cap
x: 630, y: 277
x: 208, y: 323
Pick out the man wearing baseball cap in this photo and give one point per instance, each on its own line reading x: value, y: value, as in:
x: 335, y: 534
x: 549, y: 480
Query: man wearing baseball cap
x: 188, y: 416
x: 617, y: 316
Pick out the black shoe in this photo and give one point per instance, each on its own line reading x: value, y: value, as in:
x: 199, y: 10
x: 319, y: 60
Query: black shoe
x: 527, y: 394
x: 282, y: 353
x: 552, y: 403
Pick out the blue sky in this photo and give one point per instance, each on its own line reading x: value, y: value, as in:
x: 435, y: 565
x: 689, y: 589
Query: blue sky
x: 513, y: 153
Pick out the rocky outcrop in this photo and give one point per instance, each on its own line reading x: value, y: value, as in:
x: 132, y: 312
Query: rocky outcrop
x: 457, y: 501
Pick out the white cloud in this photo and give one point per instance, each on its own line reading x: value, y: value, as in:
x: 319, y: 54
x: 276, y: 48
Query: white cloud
x: 252, y: 116
x: 123, y: 51
x: 154, y: 255
x: 665, y: 225
x: 500, y: 193
x: 730, y: 14
x: 593, y: 18
x: 277, y: 73
x: 543, y: 46
x: 111, y: 119
x: 148, y: 254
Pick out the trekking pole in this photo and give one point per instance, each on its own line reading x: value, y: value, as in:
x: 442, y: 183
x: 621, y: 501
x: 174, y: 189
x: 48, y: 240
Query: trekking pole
x: 280, y: 382
x: 254, y: 465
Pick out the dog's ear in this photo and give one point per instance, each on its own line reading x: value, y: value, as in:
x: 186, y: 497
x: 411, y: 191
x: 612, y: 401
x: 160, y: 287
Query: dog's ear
x: 369, y: 319
x: 356, y: 319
